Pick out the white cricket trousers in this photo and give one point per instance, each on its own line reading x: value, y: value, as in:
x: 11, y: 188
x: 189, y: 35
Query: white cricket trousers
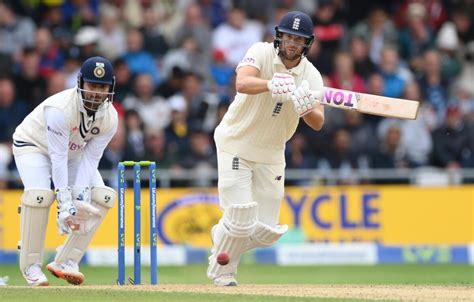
x: 35, y: 171
x: 242, y: 181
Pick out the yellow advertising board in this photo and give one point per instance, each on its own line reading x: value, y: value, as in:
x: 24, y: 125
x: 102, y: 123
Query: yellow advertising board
x: 389, y: 215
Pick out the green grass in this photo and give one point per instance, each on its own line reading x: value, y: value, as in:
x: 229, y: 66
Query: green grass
x: 248, y: 274
x: 442, y: 274
x: 104, y: 295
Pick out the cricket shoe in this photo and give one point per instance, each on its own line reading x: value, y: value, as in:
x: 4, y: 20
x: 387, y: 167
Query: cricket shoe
x: 225, y: 280
x: 34, y: 276
x: 68, y: 271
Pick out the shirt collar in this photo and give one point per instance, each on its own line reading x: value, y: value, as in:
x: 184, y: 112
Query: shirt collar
x: 293, y: 71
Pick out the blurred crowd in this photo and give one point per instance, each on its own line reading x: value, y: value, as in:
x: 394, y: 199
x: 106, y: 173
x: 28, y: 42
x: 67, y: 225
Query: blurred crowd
x: 175, y: 66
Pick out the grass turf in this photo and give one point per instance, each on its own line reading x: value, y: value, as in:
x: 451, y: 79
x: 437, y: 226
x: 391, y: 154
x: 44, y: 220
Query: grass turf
x: 248, y: 274
x: 440, y: 274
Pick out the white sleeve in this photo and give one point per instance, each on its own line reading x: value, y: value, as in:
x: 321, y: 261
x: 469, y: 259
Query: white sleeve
x: 57, y: 133
x: 253, y: 57
x: 91, y: 157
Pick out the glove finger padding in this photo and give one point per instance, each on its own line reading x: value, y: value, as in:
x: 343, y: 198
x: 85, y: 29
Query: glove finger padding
x: 304, y: 100
x: 281, y: 86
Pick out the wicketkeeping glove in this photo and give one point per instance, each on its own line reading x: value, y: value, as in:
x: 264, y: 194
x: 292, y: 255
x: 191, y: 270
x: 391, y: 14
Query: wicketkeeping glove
x: 305, y: 100
x: 281, y: 86
x: 66, y: 210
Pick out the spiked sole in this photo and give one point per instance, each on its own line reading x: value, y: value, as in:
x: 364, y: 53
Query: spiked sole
x: 72, y: 278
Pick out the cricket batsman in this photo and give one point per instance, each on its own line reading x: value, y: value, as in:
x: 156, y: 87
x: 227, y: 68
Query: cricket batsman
x: 276, y: 87
x: 62, y: 140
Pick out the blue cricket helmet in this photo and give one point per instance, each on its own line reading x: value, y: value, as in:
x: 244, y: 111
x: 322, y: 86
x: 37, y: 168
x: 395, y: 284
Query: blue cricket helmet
x: 295, y: 23
x: 96, y: 70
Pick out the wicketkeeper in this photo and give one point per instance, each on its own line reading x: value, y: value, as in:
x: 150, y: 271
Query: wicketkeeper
x: 63, y: 140
x: 276, y: 87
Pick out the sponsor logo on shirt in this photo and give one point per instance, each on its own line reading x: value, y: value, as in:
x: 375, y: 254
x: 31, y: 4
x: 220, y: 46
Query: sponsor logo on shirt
x: 56, y: 132
x: 248, y: 60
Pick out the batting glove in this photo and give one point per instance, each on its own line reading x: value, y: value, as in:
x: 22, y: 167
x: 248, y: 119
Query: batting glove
x: 305, y: 100
x: 281, y: 86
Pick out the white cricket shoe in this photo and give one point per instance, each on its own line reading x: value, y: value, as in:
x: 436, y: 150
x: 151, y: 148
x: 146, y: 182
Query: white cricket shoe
x: 68, y: 271
x: 225, y: 280
x: 35, y: 276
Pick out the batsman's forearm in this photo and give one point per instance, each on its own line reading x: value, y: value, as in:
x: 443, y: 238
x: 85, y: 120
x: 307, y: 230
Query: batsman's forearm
x: 250, y: 85
x: 315, y: 119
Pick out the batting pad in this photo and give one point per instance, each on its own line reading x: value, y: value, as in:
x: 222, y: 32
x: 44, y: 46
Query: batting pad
x: 231, y: 236
x: 103, y: 198
x: 34, y: 213
x: 265, y: 235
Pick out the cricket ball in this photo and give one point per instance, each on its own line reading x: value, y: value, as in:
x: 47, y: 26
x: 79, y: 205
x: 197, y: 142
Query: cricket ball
x: 223, y: 258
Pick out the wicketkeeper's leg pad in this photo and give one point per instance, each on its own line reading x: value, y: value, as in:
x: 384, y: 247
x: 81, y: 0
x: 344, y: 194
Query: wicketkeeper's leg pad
x: 34, y: 213
x: 265, y: 235
x: 230, y: 236
x: 76, y: 245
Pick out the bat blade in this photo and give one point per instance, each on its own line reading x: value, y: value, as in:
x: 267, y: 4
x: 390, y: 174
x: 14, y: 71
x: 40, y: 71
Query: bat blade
x: 370, y: 104
x: 388, y: 107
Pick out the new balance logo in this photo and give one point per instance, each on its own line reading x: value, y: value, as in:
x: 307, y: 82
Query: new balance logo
x: 296, y: 23
x: 235, y: 163
x: 277, y: 109
x: 278, y: 178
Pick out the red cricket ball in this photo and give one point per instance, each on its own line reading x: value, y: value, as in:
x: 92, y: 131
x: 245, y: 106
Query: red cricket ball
x: 223, y: 258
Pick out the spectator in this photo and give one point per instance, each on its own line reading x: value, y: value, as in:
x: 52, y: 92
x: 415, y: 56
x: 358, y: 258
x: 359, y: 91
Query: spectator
x: 394, y: 84
x: 56, y: 83
x: 435, y: 12
x: 434, y: 88
x: 134, y: 135
x: 87, y: 39
x: 391, y: 154
x: 177, y: 132
x: 341, y: 159
x: 416, y: 37
x: 328, y: 29
x: 16, y: 32
x: 51, y: 58
x: 111, y: 41
x: 463, y: 24
x: 12, y: 110
x: 298, y: 155
x: 153, y: 109
x: 123, y: 80
x: 464, y: 100
x: 154, y: 41
x: 156, y: 149
x: 363, y: 138
x: 379, y: 30
x: 196, y: 26
x: 236, y: 35
x: 448, y: 44
x: 452, y: 142
x: 29, y: 85
x: 139, y: 60
x: 359, y: 49
x: 201, y: 105
x: 173, y: 83
x: 344, y: 76
x: 113, y: 154
x: 201, y: 157
x: 188, y: 58
x: 222, y: 74
x: 80, y: 13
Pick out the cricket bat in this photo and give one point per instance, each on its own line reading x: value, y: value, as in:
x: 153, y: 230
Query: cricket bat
x: 370, y: 104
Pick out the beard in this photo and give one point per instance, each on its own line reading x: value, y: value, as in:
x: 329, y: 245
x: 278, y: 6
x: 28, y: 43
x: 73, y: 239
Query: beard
x: 289, y: 55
